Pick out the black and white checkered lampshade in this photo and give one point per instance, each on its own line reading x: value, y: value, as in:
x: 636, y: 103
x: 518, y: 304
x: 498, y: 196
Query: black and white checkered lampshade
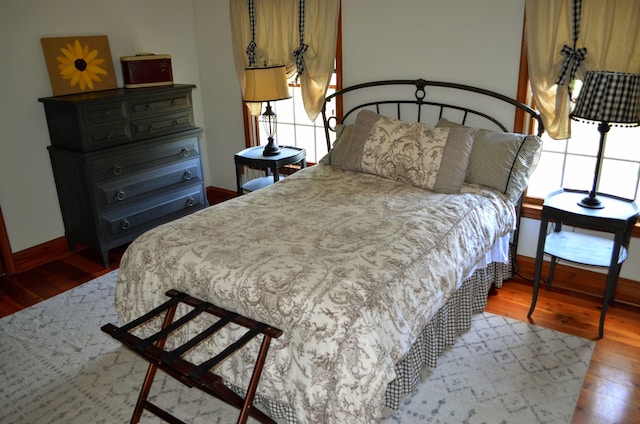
x: 611, y: 97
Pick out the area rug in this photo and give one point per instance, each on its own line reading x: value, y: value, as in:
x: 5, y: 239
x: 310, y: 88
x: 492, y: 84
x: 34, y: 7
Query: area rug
x: 56, y: 366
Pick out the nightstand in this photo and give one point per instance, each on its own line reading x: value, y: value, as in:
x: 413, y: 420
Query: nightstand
x: 253, y: 157
x: 618, y: 217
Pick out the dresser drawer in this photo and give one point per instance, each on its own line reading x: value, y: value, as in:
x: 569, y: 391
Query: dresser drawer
x: 162, y: 124
x: 129, y: 160
x: 159, y: 104
x: 129, y: 189
x: 144, y: 215
x: 87, y: 122
x: 105, y: 136
x: 104, y: 113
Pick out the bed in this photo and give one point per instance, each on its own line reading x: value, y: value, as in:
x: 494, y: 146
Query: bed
x: 371, y: 261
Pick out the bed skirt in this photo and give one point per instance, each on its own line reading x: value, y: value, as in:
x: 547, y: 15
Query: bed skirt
x: 453, y: 319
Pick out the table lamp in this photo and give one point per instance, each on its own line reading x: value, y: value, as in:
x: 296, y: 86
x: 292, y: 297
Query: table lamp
x: 267, y: 85
x: 607, y: 98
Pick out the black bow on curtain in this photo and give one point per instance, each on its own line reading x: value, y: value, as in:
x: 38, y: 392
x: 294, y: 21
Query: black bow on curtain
x: 298, y: 54
x: 573, y: 57
x: 251, y: 48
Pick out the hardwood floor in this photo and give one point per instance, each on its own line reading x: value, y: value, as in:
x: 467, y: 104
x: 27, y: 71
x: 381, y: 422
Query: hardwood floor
x: 37, y: 284
x: 611, y: 390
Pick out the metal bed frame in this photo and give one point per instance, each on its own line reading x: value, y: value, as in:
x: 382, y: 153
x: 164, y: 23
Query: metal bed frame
x: 438, y: 108
x: 419, y: 99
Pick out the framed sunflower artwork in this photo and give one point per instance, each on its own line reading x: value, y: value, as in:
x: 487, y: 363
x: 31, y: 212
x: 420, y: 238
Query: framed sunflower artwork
x: 79, y: 64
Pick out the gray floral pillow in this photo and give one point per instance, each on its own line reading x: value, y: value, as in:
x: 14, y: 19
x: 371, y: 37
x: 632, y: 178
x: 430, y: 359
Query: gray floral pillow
x: 411, y: 152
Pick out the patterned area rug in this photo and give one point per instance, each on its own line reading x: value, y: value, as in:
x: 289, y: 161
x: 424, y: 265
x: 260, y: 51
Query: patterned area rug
x: 58, y: 367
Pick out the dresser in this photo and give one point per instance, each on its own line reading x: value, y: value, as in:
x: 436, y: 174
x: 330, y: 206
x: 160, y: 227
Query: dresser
x: 124, y: 161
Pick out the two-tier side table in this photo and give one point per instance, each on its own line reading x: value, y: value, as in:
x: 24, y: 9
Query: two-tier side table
x: 618, y: 217
x: 253, y: 157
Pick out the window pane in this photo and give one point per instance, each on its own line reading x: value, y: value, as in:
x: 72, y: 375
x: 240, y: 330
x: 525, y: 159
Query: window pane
x: 284, y: 109
x: 305, y: 138
x: 321, y: 142
x: 618, y: 178
x: 551, y: 145
x: 578, y: 172
x: 623, y: 143
x: 548, y: 175
x: 285, y: 135
x: 585, y: 139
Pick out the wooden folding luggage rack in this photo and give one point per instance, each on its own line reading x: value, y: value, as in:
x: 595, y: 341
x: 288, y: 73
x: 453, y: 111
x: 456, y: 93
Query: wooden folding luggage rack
x: 199, y: 376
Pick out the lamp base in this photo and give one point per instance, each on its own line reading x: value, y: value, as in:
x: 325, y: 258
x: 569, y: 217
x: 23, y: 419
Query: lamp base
x: 591, y: 203
x: 272, y: 148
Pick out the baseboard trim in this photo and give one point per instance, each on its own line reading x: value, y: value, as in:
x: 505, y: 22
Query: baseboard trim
x: 583, y: 281
x: 218, y: 195
x: 41, y: 254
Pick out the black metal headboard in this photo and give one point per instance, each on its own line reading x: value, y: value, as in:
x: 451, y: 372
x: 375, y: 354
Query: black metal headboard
x: 391, y: 103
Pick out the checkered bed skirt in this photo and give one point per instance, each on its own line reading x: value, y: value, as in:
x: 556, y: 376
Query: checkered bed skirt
x: 453, y: 319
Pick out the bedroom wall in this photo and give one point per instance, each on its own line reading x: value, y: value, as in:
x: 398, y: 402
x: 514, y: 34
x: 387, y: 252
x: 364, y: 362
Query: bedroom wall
x: 27, y: 190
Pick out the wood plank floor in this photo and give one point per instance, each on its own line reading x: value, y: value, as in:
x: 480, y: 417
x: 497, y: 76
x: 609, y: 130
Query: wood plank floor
x: 611, y: 390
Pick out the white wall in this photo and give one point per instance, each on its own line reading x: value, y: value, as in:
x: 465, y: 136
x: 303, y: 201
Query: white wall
x: 220, y: 90
x: 27, y: 190
x: 464, y: 41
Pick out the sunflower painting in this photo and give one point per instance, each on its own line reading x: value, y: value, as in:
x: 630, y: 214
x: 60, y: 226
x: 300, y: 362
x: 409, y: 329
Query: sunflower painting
x: 79, y: 64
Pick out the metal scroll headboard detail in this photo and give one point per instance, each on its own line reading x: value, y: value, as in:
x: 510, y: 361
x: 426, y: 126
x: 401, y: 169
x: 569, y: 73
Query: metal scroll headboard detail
x: 419, y: 99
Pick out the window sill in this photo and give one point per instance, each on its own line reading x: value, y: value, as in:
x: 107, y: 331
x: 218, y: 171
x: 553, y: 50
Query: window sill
x: 532, y: 209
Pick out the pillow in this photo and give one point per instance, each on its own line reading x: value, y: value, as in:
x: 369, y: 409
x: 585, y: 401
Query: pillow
x: 337, y: 154
x: 411, y: 152
x: 502, y: 161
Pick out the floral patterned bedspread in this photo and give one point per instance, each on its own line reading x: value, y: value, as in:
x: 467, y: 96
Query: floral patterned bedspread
x: 349, y: 265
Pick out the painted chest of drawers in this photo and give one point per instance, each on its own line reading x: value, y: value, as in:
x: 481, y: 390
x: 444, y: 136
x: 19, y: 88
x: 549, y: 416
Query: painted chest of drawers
x: 124, y: 161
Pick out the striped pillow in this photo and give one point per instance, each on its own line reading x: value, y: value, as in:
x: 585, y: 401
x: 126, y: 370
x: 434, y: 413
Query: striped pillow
x: 502, y: 161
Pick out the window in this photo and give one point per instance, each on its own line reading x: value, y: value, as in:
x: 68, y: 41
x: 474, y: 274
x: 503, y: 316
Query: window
x: 295, y: 128
x: 571, y: 163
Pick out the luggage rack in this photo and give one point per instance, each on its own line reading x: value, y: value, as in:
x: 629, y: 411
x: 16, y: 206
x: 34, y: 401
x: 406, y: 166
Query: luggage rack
x: 188, y: 373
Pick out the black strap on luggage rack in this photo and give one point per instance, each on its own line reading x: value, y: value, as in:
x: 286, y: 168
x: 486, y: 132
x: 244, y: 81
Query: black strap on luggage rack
x: 199, y: 376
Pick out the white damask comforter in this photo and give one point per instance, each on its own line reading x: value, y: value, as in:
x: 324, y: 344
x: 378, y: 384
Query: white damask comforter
x: 350, y: 266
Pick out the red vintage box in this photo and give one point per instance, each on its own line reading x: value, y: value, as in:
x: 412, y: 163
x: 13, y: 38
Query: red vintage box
x: 146, y: 70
